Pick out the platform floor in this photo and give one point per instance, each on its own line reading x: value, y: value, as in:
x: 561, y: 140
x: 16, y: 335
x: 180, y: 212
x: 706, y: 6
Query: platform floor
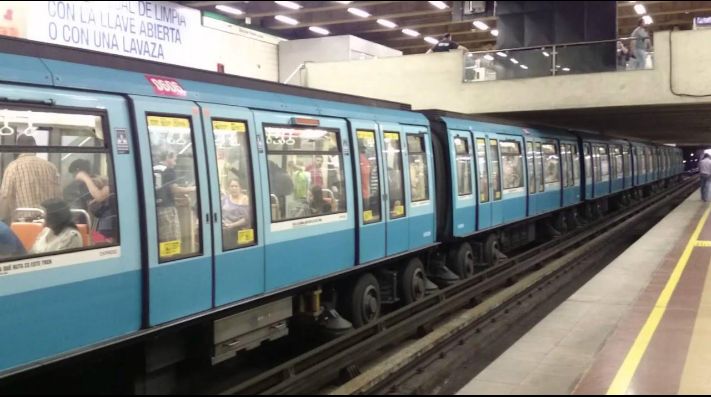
x: 640, y: 326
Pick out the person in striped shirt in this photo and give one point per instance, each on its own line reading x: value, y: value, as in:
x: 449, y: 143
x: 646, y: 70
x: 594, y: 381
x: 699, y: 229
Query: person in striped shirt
x: 27, y: 182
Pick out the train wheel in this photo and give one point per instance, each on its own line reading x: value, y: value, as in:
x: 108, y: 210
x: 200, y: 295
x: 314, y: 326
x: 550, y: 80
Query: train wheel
x: 413, y: 281
x: 492, y: 253
x: 363, y: 303
x: 462, y: 261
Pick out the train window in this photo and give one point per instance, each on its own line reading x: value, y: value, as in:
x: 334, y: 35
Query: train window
x: 393, y: 159
x: 569, y: 162
x: 512, y: 162
x: 464, y: 166
x: 370, y: 176
x: 531, y: 168
x: 588, y: 163
x: 236, y: 192
x: 539, y: 167
x: 483, y: 169
x: 305, y: 169
x: 575, y: 164
x: 57, y: 190
x: 551, y: 162
x: 619, y: 166
x: 417, y: 159
x: 626, y: 161
x: 567, y: 172
x: 604, y: 163
x: 641, y: 161
x: 175, y: 182
x: 495, y: 177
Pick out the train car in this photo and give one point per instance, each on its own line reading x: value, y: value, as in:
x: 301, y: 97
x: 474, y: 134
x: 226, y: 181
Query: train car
x: 505, y: 182
x: 196, y: 197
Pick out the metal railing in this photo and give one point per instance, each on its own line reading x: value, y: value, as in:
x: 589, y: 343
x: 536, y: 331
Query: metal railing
x: 620, y: 54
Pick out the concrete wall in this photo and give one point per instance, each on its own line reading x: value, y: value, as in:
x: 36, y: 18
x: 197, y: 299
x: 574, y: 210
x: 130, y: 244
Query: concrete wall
x: 326, y: 49
x: 435, y: 81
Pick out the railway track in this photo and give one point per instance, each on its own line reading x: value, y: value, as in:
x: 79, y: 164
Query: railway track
x: 513, y: 286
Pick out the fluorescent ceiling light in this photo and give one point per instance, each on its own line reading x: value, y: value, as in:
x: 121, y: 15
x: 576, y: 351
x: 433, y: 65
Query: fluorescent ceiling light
x: 639, y: 9
x: 344, y: 2
x: 387, y: 24
x: 439, y: 4
x: 647, y: 20
x: 431, y: 40
x: 318, y: 30
x: 411, y: 32
x: 501, y: 54
x: 230, y: 10
x: 287, y: 20
x: 358, y: 12
x: 514, y: 61
x: 566, y: 69
x: 481, y: 25
x: 546, y: 54
x: 488, y: 57
x: 495, y: 32
x: 289, y: 4
x: 524, y: 67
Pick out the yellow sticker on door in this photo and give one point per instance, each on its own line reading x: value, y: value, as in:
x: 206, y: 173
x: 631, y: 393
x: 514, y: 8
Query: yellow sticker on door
x: 170, y: 248
x: 245, y: 236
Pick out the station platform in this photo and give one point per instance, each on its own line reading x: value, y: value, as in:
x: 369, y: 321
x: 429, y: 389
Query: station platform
x: 640, y: 326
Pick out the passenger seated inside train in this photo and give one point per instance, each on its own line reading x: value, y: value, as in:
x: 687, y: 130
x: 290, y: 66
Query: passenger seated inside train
x: 10, y: 245
x: 91, y: 192
x: 317, y: 203
x: 60, y: 232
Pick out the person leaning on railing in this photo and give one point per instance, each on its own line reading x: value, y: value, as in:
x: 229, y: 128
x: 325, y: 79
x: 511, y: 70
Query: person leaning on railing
x: 445, y: 44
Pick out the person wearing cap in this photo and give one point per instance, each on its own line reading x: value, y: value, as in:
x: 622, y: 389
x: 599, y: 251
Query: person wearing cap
x: 445, y: 44
x: 60, y: 233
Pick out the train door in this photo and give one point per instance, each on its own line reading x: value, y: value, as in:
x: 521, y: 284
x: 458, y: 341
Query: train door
x: 551, y: 198
x: 571, y: 174
x: 369, y: 177
x: 235, y: 189
x: 497, y: 206
x: 588, y: 168
x: 617, y: 168
x: 483, y: 185
x: 513, y: 178
x: 531, y: 173
x: 464, y: 214
x: 627, y: 160
x: 306, y: 164
x: 85, y: 287
x: 540, y: 184
x: 419, y: 171
x: 397, y: 226
x: 178, y: 211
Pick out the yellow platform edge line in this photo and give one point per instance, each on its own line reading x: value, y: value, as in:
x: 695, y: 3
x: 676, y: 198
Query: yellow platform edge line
x: 629, y: 366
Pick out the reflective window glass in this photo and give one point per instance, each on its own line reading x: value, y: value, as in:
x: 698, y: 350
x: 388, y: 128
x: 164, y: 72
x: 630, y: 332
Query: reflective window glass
x: 236, y: 191
x: 393, y: 159
x: 417, y: 160
x: 495, y: 176
x: 370, y: 176
x: 305, y: 169
x: 175, y: 183
x: 531, y: 168
x: 483, y: 170
x: 551, y: 162
x: 512, y: 162
x: 464, y: 166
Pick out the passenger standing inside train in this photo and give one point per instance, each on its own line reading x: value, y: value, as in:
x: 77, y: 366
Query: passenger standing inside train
x: 640, y: 45
x: 166, y: 189
x: 316, y: 171
x: 27, y: 182
x: 60, y: 232
x: 705, y: 171
x: 236, y: 212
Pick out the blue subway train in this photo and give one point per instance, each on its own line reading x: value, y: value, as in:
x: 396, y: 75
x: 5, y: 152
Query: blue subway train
x: 141, y: 200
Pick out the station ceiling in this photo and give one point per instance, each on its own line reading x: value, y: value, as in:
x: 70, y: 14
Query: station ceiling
x: 421, y: 16
x: 684, y: 125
